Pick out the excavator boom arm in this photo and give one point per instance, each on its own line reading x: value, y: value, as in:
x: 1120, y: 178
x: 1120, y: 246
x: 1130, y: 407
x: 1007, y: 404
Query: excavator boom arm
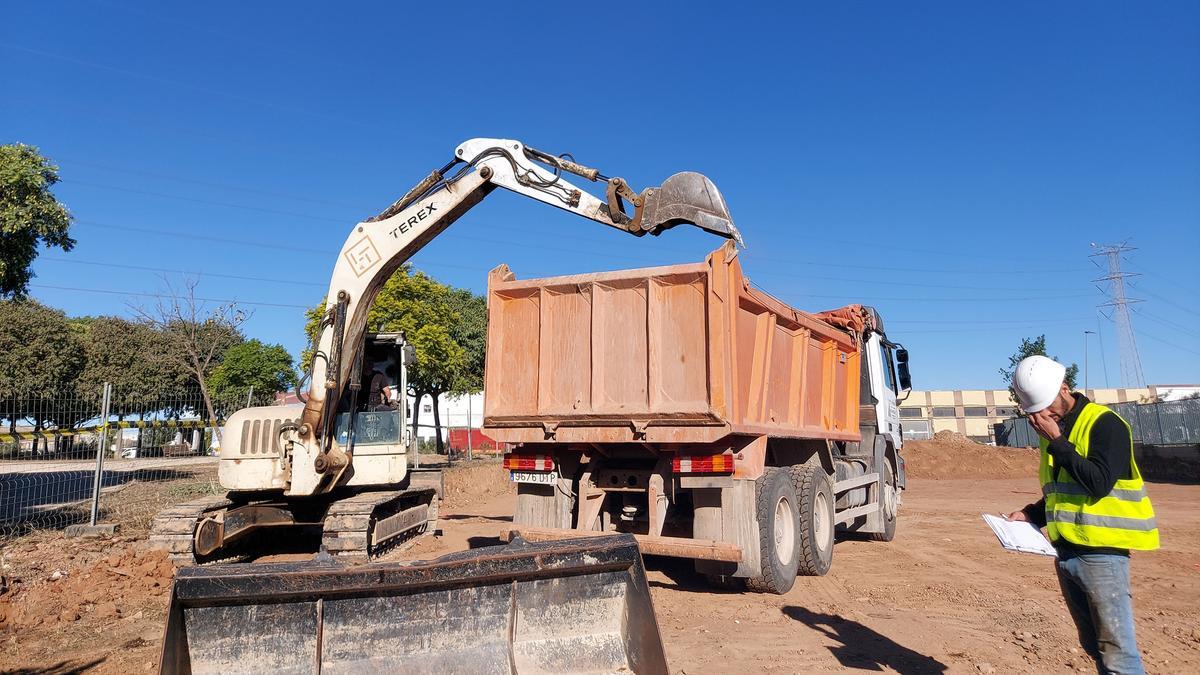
x: 377, y: 247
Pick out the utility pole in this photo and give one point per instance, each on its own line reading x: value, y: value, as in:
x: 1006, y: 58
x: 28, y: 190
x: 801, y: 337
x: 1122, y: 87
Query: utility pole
x: 1131, y: 362
x: 1085, y: 357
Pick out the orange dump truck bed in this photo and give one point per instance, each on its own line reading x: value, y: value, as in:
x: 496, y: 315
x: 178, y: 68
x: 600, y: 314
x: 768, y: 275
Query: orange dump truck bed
x: 678, y: 354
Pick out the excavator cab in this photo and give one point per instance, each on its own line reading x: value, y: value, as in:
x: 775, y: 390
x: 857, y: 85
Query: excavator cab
x: 378, y: 413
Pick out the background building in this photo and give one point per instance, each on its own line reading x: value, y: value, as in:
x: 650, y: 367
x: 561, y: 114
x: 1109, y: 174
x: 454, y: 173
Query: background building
x: 973, y: 412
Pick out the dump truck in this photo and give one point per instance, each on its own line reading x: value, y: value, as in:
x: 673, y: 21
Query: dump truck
x: 684, y: 406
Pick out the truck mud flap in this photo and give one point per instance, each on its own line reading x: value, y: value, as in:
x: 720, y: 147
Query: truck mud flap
x: 567, y: 606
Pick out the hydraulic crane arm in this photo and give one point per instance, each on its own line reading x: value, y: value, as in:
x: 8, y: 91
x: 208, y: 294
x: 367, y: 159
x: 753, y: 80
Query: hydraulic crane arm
x: 378, y: 246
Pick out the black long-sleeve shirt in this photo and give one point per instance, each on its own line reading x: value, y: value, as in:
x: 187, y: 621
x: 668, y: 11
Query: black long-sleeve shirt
x: 1110, y: 451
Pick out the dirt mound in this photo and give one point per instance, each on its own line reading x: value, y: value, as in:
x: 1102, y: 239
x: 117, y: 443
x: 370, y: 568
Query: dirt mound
x: 951, y: 455
x: 477, y: 481
x: 117, y: 586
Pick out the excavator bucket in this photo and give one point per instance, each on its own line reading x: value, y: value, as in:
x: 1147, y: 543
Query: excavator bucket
x: 570, y: 606
x: 688, y: 198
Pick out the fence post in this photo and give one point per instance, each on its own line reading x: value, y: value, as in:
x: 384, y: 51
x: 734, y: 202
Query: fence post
x: 1158, y: 416
x: 470, y: 424
x: 101, y: 448
x: 250, y: 397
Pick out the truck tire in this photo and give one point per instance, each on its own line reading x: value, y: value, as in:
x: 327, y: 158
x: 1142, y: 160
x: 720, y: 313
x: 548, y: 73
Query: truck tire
x: 814, y: 492
x: 889, y: 504
x: 778, y: 521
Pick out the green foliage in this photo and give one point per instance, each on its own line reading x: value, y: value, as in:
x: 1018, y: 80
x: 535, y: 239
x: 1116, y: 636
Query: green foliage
x: 29, y: 215
x: 469, y: 331
x: 40, y: 356
x: 133, y: 358
x: 1031, y: 347
x: 418, y: 306
x: 267, y: 368
x: 447, y: 327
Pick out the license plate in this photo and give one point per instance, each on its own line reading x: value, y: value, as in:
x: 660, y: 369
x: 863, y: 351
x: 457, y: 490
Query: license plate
x: 535, y: 477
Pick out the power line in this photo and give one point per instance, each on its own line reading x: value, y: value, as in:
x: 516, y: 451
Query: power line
x: 1170, y: 302
x: 197, y: 200
x: 163, y: 295
x: 278, y: 246
x: 205, y: 183
x: 202, y: 237
x: 74, y: 261
x: 987, y: 321
x: 1170, y: 344
x: 1031, y: 326
x: 1177, y: 327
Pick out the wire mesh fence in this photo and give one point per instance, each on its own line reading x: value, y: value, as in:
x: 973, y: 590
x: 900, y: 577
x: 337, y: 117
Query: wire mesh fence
x: 77, y: 455
x: 1162, y: 423
x: 102, y: 454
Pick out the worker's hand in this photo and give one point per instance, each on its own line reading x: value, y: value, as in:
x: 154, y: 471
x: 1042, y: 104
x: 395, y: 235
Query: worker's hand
x: 1017, y: 515
x: 1045, y: 425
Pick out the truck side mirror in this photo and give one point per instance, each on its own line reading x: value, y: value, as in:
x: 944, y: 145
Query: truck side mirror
x: 905, y: 376
x: 410, y: 355
x: 902, y: 355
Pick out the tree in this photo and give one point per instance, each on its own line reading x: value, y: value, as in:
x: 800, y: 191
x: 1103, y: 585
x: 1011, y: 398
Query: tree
x: 29, y: 215
x: 1032, y: 347
x: 446, y: 326
x: 470, y: 332
x: 194, y: 335
x: 40, y: 361
x: 132, y: 357
x: 266, y: 368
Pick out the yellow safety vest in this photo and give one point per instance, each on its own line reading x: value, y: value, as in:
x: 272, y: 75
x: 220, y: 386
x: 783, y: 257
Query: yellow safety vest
x: 1123, y: 518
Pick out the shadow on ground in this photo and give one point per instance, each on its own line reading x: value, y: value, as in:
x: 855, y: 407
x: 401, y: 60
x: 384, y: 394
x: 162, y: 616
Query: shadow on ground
x: 61, y: 668
x: 863, y: 648
x: 469, y: 516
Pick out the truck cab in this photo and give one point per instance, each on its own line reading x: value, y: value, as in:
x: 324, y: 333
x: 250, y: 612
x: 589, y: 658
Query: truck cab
x: 885, y: 383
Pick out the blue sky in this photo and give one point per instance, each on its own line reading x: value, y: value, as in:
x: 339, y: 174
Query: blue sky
x: 948, y: 163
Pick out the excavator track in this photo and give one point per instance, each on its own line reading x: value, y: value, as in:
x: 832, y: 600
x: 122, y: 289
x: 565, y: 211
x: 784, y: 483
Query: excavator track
x: 364, y: 525
x: 173, y: 530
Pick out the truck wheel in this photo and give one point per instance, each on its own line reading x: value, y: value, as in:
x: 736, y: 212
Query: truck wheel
x: 814, y: 491
x: 889, y: 505
x: 778, y: 518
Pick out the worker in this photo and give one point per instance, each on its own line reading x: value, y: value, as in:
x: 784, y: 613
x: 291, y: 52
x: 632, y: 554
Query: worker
x: 381, y: 391
x: 1094, y: 508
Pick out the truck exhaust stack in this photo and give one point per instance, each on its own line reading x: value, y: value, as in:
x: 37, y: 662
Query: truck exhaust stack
x: 569, y: 606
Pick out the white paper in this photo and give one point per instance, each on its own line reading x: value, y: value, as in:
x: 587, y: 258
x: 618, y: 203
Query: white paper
x: 1019, y: 535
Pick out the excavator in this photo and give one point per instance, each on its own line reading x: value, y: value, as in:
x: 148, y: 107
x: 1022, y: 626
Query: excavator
x: 340, y: 465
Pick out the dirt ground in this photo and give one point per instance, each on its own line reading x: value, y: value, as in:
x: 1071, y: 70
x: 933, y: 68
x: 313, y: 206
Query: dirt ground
x: 943, y: 597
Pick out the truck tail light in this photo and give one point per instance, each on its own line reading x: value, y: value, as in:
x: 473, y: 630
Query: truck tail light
x: 722, y: 463
x: 519, y: 462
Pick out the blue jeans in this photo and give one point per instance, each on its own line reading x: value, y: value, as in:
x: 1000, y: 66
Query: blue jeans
x: 1096, y: 588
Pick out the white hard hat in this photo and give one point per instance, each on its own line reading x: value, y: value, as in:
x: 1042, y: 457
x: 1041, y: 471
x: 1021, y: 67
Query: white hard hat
x: 1037, y: 382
